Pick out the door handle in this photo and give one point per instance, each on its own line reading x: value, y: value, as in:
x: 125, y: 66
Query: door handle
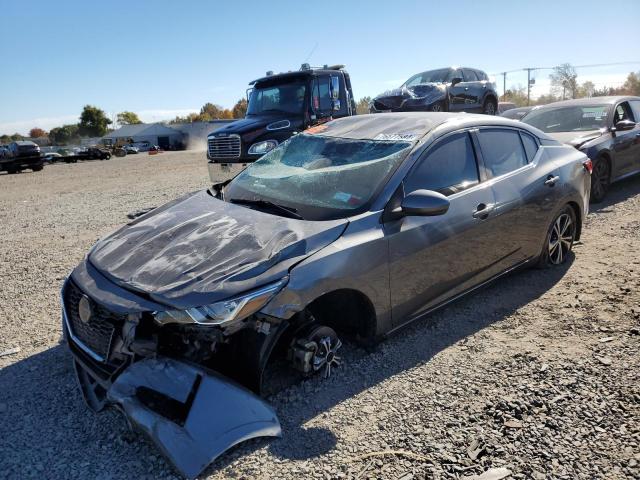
x: 483, y: 210
x: 551, y: 180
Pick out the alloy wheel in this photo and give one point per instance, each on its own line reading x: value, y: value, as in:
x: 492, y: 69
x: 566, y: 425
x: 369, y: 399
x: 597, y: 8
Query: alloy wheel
x: 600, y: 180
x: 561, y: 239
x: 436, y: 107
x: 489, y: 108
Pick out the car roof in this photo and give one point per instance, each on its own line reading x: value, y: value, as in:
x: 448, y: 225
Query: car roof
x: 608, y: 100
x: 24, y: 143
x: 411, y: 126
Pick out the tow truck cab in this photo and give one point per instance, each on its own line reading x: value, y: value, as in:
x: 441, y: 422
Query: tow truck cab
x: 280, y: 106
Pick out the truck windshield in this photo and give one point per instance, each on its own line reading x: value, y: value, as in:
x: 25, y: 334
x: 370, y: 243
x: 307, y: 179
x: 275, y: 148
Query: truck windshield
x: 283, y: 98
x: 318, y: 177
x: 569, y: 119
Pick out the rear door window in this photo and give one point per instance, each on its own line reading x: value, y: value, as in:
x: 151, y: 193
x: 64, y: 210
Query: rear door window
x: 635, y: 108
x: 470, y: 75
x: 448, y: 167
x: 502, y: 150
x: 321, y: 96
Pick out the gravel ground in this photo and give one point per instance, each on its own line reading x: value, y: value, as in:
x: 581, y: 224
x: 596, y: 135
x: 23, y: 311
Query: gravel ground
x: 537, y: 373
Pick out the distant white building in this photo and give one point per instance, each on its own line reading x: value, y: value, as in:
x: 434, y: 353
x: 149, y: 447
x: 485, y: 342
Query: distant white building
x: 179, y: 135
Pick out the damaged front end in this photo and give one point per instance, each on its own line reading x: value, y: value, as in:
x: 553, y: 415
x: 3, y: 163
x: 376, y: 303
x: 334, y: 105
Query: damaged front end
x: 409, y: 99
x: 176, y: 380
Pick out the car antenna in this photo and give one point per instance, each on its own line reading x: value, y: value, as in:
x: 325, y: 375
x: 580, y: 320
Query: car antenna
x: 306, y: 60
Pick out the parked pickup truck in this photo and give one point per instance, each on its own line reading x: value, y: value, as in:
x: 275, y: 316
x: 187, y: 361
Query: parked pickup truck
x: 91, y: 153
x: 21, y: 155
x: 280, y: 106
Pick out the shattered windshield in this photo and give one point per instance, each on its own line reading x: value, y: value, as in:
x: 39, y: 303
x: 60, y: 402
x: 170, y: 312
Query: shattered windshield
x: 569, y: 119
x: 283, y: 98
x: 319, y: 177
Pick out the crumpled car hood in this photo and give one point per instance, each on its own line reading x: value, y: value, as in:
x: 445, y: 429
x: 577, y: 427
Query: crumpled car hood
x: 198, y: 249
x: 394, y: 98
x: 575, y: 139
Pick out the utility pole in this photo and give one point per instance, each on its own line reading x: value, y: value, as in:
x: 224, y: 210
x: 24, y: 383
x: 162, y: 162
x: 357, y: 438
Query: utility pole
x: 528, y: 84
x: 504, y: 85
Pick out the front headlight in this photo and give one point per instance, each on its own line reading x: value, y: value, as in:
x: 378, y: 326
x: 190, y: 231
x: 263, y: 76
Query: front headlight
x: 261, y: 148
x: 224, y: 312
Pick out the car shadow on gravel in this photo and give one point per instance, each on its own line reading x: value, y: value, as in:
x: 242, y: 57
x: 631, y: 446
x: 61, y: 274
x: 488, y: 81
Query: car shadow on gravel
x: 42, y: 414
x: 299, y: 406
x: 618, y: 192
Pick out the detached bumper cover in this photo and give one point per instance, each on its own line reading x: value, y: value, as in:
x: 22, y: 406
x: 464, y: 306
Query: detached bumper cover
x: 193, y: 416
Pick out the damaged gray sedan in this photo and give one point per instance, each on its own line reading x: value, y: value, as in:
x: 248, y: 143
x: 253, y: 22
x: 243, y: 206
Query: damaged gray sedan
x: 348, y: 231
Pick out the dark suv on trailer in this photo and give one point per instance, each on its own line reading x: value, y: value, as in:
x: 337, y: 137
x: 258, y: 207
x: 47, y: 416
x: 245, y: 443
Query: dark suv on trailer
x: 455, y: 89
x: 21, y: 155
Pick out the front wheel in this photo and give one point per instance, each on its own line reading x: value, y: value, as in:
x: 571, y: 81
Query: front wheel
x: 600, y: 178
x: 559, y: 240
x: 437, y: 107
x: 489, y: 107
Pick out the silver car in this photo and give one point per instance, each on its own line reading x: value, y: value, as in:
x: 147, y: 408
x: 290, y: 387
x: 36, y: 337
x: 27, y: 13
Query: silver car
x: 349, y: 230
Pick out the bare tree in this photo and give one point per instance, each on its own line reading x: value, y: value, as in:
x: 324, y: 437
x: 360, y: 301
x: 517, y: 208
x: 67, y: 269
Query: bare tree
x: 564, y: 79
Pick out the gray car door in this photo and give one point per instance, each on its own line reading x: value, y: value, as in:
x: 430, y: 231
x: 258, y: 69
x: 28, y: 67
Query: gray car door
x: 457, y: 92
x: 432, y: 259
x: 526, y: 190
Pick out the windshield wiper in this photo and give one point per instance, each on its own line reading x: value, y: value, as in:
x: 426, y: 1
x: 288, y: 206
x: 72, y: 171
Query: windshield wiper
x: 288, y: 211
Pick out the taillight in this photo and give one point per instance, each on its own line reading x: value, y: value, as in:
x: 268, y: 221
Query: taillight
x: 588, y: 165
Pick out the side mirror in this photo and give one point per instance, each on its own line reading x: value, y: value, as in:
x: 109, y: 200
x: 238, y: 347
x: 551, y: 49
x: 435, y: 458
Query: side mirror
x: 336, y: 105
x: 455, y: 81
x: 623, y: 125
x: 424, y: 203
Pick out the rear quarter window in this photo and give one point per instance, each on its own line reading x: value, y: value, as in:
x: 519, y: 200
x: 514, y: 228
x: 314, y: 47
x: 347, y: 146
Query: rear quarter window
x: 530, y: 145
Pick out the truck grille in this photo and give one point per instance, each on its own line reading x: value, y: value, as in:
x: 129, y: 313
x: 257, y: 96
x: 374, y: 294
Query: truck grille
x: 96, y: 334
x: 224, y: 147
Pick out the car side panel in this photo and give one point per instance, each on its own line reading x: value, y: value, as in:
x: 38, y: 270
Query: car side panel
x: 358, y: 261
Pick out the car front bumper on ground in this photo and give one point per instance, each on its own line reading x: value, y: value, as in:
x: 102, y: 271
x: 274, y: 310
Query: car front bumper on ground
x: 192, y: 414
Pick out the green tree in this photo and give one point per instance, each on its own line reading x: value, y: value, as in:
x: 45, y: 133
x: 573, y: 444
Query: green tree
x: 93, y: 122
x: 128, y: 118
x: 586, y: 89
x: 209, y: 111
x: 516, y: 95
x: 11, y: 138
x: 63, y: 135
x: 564, y: 79
x: 362, y: 106
x: 632, y: 84
x: 240, y: 108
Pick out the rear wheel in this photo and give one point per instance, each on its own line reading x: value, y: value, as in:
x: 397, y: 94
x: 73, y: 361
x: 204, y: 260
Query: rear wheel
x: 600, y: 178
x: 560, y: 238
x: 37, y: 169
x: 437, y: 107
x: 489, y: 107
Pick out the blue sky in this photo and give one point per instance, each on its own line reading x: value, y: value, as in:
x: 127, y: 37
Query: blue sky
x: 162, y: 58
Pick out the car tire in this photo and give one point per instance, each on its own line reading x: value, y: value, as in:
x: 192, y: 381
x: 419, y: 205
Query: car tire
x: 437, y: 107
x: 489, y: 107
x: 107, y: 156
x: 600, y: 179
x: 37, y: 169
x: 559, y: 239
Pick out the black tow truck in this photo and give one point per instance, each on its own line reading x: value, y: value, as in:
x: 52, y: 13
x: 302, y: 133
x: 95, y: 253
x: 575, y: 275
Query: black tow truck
x: 90, y: 153
x: 280, y: 106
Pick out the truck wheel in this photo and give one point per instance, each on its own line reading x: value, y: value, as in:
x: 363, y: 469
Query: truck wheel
x: 107, y: 156
x: 37, y: 169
